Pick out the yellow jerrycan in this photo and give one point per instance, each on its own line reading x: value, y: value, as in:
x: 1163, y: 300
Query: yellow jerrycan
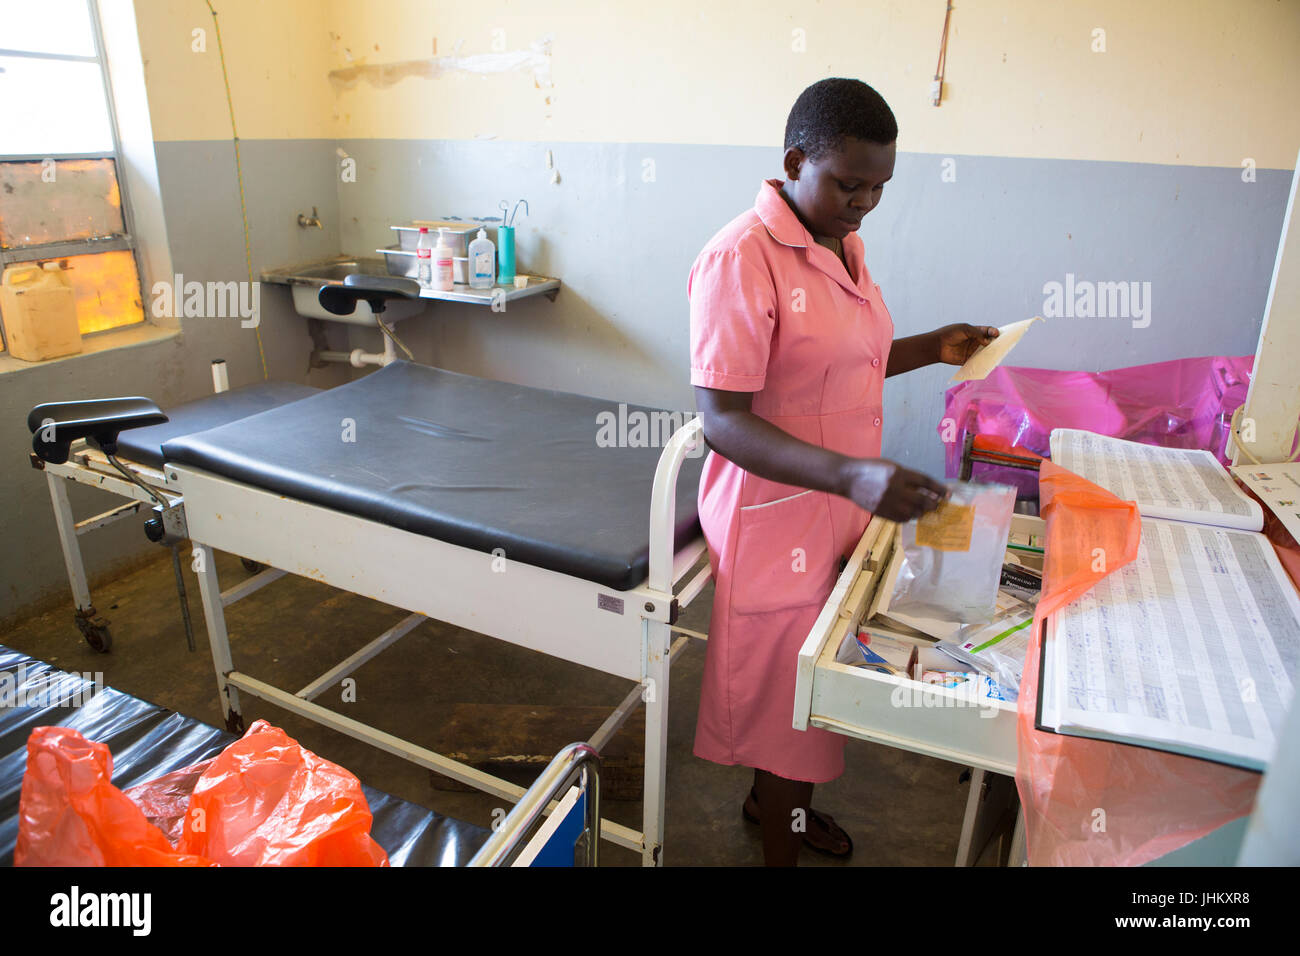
x: 39, y: 312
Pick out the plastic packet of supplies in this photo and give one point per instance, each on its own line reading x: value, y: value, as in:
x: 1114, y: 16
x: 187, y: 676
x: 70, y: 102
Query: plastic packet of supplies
x: 997, y: 648
x: 952, y: 556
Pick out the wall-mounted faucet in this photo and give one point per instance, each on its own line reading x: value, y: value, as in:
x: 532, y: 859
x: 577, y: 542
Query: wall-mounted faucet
x: 307, y: 222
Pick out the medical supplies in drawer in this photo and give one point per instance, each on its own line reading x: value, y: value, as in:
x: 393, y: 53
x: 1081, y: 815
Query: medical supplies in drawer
x: 907, y: 691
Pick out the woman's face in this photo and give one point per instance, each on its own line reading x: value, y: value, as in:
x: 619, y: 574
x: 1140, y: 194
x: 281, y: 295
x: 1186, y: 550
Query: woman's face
x: 833, y: 193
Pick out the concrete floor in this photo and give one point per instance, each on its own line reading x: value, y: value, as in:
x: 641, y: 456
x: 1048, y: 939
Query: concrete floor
x: 900, y: 808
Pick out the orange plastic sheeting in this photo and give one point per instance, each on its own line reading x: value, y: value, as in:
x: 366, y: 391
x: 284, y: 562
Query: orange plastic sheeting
x: 997, y: 445
x: 263, y: 801
x: 1092, y: 802
x: 70, y: 814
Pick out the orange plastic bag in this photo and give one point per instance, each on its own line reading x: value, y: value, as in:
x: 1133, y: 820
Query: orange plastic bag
x: 263, y: 801
x: 1090, y: 802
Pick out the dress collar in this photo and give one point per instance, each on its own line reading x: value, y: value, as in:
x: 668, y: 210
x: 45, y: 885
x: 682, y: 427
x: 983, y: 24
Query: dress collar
x: 784, y: 226
x: 778, y: 217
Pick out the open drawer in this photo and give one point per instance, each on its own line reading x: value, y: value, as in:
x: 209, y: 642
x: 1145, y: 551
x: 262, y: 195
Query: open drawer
x: 895, y: 710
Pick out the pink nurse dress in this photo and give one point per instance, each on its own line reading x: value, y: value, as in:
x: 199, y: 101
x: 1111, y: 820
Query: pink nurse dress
x: 775, y: 314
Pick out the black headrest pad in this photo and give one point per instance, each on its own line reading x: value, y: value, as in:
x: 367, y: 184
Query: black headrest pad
x: 376, y: 290
x: 56, y: 425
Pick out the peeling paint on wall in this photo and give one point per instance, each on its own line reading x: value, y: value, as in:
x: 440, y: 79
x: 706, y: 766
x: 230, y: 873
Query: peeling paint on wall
x: 536, y: 60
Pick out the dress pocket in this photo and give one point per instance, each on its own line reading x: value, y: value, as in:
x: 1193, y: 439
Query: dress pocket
x: 785, y: 554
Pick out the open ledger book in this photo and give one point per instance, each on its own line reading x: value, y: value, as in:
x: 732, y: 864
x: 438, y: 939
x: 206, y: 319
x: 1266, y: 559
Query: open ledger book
x: 1194, y: 646
x: 1185, y: 484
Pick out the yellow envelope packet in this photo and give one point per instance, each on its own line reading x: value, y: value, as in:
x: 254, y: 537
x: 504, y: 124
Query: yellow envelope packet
x: 946, y: 528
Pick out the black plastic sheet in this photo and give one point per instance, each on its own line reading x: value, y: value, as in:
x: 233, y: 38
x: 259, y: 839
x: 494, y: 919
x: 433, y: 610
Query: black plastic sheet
x: 147, y: 741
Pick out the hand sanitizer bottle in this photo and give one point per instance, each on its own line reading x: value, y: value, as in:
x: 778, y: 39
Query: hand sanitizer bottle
x: 482, y: 262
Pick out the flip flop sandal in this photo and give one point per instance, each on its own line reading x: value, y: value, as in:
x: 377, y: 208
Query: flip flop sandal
x: 825, y: 822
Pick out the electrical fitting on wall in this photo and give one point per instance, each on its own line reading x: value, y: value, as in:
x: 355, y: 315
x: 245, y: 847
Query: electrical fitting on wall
x: 936, y: 85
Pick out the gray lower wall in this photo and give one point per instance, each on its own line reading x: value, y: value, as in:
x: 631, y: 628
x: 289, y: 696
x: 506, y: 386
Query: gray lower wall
x: 976, y: 250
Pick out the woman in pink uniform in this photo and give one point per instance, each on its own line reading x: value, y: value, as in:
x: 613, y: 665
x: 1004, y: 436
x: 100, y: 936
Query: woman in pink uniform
x: 790, y: 347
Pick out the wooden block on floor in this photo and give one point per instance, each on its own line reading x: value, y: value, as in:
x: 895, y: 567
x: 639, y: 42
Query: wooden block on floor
x: 517, y: 741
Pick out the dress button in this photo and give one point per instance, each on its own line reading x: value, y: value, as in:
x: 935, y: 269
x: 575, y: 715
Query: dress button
x: 877, y: 422
x: 861, y: 301
x: 875, y: 363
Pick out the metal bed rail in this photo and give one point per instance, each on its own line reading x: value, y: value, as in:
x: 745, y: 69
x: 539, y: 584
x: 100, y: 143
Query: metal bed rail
x: 663, y: 505
x: 578, y: 762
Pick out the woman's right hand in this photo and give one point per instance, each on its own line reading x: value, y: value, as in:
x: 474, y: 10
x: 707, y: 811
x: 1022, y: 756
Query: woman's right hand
x: 887, y: 489
x: 882, y: 487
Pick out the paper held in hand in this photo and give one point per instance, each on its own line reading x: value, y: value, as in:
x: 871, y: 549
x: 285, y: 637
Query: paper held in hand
x: 990, y: 357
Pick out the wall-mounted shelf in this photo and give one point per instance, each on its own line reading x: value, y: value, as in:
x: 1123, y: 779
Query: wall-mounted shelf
x: 306, y: 279
x: 537, y: 285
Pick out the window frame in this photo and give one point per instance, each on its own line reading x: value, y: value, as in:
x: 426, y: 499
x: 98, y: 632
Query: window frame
x: 67, y: 248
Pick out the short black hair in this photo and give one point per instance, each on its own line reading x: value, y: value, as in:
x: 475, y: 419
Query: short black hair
x: 833, y: 109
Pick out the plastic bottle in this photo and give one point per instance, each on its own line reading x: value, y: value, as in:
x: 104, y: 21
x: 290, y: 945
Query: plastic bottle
x: 506, y: 255
x: 443, y: 277
x: 423, y: 260
x: 482, y: 262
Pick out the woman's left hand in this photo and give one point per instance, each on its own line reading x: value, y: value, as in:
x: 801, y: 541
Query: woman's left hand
x: 957, y: 343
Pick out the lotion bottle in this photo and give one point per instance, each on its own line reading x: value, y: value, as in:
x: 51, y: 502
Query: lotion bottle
x: 443, y: 277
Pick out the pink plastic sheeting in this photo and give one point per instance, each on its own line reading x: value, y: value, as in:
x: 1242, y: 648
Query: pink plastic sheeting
x: 1185, y: 403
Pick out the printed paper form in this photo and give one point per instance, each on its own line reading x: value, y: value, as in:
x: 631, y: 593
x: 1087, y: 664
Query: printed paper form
x: 988, y: 358
x: 1185, y: 484
x: 1278, y: 486
x: 1193, y: 647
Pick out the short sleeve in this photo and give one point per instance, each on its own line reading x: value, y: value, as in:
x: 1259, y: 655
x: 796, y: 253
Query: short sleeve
x: 733, y: 316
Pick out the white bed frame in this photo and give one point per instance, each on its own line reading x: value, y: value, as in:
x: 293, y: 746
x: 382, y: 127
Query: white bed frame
x: 90, y: 467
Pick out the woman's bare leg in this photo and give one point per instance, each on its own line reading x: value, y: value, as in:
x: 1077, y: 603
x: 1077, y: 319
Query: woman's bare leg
x: 778, y: 799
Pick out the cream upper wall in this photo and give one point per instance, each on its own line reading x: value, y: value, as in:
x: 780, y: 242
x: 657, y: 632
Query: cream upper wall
x: 1198, y: 82
x: 277, y: 57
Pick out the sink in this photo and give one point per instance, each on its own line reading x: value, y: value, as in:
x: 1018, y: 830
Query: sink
x: 326, y: 271
x: 305, y: 280
x: 337, y: 271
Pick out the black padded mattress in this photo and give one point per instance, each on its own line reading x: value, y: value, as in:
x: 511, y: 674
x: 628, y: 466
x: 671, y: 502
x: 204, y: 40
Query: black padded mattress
x: 148, y: 741
x: 144, y: 445
x: 471, y: 461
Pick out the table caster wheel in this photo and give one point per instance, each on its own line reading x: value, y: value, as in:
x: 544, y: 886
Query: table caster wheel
x: 95, y: 630
x: 251, y: 566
